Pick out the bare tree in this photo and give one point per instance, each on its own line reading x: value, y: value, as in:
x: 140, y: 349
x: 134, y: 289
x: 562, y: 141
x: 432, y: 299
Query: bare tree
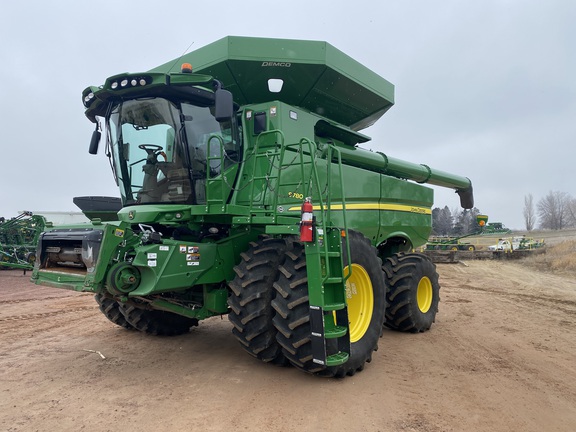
x: 553, y: 210
x: 454, y: 222
x: 572, y: 212
x: 442, y: 221
x: 529, y: 212
x: 465, y: 222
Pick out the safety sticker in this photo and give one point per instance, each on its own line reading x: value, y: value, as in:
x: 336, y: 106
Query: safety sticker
x: 193, y: 257
x: 164, y: 248
x: 189, y: 249
x: 119, y: 232
x: 152, y: 263
x: 152, y: 256
x: 193, y: 263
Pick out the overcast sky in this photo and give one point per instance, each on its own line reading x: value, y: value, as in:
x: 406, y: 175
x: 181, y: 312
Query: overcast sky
x: 484, y: 89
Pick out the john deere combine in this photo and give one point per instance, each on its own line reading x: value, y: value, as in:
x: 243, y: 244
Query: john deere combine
x: 244, y: 193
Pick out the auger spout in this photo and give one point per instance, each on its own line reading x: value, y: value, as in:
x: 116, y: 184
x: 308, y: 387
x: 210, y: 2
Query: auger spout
x: 419, y: 173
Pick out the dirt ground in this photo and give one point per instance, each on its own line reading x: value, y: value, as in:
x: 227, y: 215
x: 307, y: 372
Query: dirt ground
x: 501, y: 357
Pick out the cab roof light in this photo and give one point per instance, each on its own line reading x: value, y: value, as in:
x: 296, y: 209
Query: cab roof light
x: 129, y: 82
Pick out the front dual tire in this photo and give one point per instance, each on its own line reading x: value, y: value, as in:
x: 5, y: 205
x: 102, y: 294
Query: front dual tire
x: 251, y: 297
x: 366, y: 297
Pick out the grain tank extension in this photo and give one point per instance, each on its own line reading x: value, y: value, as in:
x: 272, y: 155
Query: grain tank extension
x: 244, y: 192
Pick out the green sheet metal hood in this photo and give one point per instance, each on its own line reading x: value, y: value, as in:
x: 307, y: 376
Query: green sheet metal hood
x: 315, y: 76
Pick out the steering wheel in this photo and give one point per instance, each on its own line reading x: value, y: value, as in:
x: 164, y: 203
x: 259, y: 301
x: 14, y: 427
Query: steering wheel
x: 153, y: 151
x: 151, y: 148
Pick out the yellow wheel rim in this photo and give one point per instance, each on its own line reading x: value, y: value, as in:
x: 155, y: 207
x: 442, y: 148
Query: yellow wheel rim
x: 424, y: 294
x: 360, y: 298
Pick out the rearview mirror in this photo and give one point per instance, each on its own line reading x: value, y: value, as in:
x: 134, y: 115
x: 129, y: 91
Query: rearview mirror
x: 223, y: 105
x: 93, y: 149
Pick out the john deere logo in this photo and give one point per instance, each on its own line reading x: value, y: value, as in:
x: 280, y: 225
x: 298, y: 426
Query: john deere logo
x: 131, y: 214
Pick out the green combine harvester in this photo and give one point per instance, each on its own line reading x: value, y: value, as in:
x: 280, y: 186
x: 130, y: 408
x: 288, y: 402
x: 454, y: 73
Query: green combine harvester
x: 244, y: 193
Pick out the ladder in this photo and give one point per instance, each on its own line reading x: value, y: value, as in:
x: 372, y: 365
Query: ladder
x: 330, y: 338
x: 329, y: 322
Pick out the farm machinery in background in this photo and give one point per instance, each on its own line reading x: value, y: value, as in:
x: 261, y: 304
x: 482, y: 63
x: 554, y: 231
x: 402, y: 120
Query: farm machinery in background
x: 495, y: 228
x: 244, y: 193
x: 455, y: 243
x: 451, y: 250
x: 516, y: 243
x: 18, y: 240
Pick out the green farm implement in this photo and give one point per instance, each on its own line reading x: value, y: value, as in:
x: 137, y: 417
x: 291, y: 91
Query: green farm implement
x: 455, y: 243
x: 495, y: 228
x: 18, y: 240
x: 245, y: 192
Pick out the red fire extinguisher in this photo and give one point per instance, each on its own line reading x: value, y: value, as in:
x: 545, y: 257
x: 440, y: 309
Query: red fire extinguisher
x: 307, y: 221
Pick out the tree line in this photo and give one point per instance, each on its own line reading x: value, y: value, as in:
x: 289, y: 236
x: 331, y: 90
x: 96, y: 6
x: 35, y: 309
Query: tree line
x: 555, y: 211
x: 454, y: 223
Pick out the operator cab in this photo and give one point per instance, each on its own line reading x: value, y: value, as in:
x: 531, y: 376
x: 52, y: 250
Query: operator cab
x: 165, y: 151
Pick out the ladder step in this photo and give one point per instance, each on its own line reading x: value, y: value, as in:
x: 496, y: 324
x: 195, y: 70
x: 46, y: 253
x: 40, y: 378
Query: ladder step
x: 337, y: 359
x: 333, y: 280
x: 336, y: 332
x: 263, y: 219
x: 334, y: 306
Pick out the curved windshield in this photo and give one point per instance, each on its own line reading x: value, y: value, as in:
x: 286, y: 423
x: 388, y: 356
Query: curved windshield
x: 165, y: 152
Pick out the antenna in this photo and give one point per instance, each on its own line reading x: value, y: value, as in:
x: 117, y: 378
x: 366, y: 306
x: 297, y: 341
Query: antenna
x: 181, y: 55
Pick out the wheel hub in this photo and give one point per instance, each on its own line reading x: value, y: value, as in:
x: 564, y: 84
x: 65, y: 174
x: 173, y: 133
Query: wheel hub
x: 122, y: 279
x: 360, y: 299
x: 424, y: 294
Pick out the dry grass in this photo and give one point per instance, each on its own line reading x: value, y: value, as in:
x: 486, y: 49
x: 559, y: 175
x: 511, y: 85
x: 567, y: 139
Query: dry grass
x: 559, y: 258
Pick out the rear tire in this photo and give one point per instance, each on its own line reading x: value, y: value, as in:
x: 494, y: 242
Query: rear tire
x: 251, y: 296
x: 366, y: 318
x: 414, y: 292
x: 111, y: 310
x: 157, y: 322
